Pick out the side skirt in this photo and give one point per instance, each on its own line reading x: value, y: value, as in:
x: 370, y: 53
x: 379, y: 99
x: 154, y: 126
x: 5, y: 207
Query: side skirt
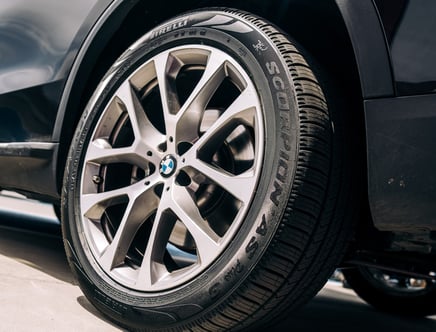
x: 29, y: 168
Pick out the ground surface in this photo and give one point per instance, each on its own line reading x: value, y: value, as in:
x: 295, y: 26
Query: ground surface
x: 37, y: 291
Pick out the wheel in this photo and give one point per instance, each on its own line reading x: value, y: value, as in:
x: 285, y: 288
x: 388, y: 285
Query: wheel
x: 205, y: 185
x: 392, y: 292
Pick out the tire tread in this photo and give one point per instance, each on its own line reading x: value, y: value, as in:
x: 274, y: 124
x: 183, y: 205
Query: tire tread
x: 291, y: 264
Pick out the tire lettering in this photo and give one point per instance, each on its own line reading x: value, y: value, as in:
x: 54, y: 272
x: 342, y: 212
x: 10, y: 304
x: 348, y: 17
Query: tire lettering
x: 252, y: 247
x: 283, y: 100
x: 169, y: 28
x: 276, y: 193
x: 282, y: 171
x: 278, y: 83
x: 284, y: 105
x: 109, y: 303
x: 284, y: 155
x: 179, y: 34
x: 286, y: 142
x: 272, y: 68
x: 242, y: 52
x: 215, y: 290
x: 234, y: 271
x: 262, y: 229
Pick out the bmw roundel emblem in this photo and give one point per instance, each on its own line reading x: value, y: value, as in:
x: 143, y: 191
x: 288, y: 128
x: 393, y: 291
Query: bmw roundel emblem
x: 167, y: 166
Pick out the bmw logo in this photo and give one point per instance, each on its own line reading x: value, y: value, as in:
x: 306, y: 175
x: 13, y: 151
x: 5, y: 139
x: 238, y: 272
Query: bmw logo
x: 167, y: 166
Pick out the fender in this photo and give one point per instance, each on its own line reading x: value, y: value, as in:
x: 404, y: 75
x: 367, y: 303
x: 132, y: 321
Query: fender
x: 110, y: 14
x: 99, y: 28
x: 370, y: 47
x: 34, y: 157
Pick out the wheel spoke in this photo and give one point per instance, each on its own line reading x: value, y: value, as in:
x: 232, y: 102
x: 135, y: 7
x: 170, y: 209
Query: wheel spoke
x: 240, y: 186
x: 241, y: 111
x: 206, y: 240
x: 138, y: 210
x: 143, y: 129
x: 100, y: 151
x: 190, y: 115
x: 93, y: 205
x: 170, y: 104
x: 152, y: 267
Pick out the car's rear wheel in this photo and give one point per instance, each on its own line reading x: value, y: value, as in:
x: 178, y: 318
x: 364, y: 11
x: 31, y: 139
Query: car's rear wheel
x: 206, y: 184
x: 392, y: 292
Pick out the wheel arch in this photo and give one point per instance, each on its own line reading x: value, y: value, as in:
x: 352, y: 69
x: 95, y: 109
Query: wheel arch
x: 104, y: 43
x: 121, y: 24
x: 329, y: 33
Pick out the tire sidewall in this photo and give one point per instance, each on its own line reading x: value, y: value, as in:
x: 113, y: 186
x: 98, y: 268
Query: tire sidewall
x: 270, y: 76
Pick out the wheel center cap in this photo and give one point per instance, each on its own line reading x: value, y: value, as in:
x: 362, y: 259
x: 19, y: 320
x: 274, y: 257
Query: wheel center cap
x: 168, y: 166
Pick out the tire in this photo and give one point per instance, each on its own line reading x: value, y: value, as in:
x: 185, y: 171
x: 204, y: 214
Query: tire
x: 393, y: 293
x: 219, y: 212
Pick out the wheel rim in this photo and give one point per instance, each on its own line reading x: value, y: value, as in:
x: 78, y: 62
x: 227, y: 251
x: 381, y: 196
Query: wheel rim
x: 171, y: 167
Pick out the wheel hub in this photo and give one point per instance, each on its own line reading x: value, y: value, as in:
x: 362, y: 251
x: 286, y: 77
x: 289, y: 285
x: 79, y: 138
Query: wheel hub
x: 168, y: 166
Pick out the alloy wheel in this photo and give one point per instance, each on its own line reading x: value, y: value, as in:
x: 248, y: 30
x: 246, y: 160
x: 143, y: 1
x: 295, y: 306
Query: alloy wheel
x: 171, y: 168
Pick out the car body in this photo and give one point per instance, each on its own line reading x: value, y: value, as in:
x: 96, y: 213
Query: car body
x: 379, y: 55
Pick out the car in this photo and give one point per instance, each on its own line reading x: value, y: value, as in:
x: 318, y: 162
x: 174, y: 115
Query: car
x: 392, y: 292
x: 212, y: 161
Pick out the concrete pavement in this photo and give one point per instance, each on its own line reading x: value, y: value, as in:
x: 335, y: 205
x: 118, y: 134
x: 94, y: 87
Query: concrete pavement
x: 37, y: 291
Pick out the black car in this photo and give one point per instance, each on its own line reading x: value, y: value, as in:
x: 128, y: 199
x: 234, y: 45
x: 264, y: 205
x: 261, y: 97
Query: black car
x: 214, y: 161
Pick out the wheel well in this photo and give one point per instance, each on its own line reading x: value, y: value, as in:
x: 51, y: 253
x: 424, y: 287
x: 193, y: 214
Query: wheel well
x: 317, y: 25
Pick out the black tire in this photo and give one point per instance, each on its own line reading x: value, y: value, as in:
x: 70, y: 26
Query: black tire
x: 295, y: 226
x: 392, y: 292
